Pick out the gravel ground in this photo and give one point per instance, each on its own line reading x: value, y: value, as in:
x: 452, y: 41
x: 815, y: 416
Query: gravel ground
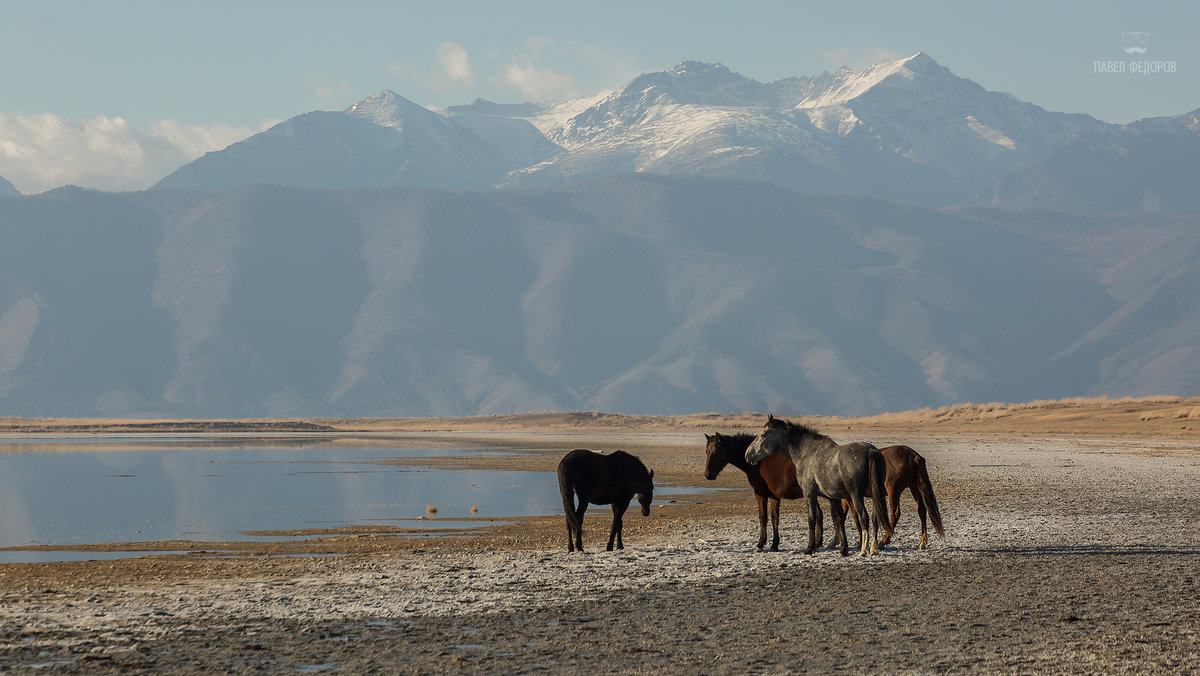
x: 1068, y: 554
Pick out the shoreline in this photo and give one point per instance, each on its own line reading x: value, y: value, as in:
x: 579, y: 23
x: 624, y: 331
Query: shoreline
x: 1065, y: 552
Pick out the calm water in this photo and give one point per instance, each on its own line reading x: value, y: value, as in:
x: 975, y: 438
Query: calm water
x: 80, y: 491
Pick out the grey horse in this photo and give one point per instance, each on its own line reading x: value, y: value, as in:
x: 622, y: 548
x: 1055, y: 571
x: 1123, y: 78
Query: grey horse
x: 830, y: 470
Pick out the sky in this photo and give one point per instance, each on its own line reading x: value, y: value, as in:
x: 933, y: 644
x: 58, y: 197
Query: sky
x: 114, y: 95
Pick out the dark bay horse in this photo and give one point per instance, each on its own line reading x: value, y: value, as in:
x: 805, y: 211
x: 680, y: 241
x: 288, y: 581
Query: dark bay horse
x: 771, y: 479
x: 906, y: 471
x: 599, y: 479
x: 830, y: 470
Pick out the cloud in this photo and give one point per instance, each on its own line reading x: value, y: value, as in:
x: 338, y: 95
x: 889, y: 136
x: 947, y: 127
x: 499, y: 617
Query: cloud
x: 41, y: 152
x: 525, y: 72
x: 452, y: 57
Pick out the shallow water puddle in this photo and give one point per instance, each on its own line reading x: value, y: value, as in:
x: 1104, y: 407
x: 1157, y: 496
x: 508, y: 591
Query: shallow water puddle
x: 70, y: 493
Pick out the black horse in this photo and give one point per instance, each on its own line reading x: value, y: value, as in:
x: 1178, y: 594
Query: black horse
x: 602, y: 480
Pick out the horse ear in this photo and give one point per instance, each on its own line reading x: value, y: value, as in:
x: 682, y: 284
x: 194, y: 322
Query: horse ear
x: 651, y: 474
x: 770, y: 418
x: 708, y: 438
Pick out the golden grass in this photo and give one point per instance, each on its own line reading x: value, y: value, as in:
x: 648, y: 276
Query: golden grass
x: 1157, y: 415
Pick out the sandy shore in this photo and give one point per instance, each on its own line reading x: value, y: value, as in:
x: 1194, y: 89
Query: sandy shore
x: 1065, y: 552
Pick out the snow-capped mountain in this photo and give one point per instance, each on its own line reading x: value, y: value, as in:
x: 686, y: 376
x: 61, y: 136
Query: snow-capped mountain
x: 906, y: 130
x: 384, y: 139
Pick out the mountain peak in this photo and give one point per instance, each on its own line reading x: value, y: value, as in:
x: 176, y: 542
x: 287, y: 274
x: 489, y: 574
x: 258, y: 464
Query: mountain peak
x: 846, y: 85
x: 387, y: 108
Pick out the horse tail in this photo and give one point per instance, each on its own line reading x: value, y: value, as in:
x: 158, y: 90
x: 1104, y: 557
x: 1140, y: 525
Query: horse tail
x: 926, y: 488
x: 877, y: 468
x: 565, y: 487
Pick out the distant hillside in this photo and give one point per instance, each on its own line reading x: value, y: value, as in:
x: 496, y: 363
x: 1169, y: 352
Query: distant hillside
x: 640, y: 295
x: 1150, y: 165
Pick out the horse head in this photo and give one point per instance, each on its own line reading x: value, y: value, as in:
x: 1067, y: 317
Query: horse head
x: 715, y: 456
x: 773, y: 439
x: 645, y: 494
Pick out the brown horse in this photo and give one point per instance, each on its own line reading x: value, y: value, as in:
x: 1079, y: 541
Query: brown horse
x: 906, y: 470
x: 771, y: 479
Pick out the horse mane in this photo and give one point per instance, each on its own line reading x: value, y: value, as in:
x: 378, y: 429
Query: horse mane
x: 742, y: 439
x: 630, y: 459
x: 800, y: 429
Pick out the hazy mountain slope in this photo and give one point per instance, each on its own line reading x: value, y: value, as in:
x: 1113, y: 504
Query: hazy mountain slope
x: 7, y: 188
x: 1149, y: 265
x: 1150, y: 165
x: 635, y: 294
x: 79, y: 333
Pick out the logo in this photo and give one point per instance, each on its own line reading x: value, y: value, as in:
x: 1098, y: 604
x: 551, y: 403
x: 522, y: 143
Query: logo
x: 1132, y: 38
x: 1135, y: 45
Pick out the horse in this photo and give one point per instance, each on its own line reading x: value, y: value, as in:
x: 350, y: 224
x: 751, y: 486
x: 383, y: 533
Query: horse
x: 906, y: 470
x: 830, y: 470
x: 599, y: 479
x: 771, y: 479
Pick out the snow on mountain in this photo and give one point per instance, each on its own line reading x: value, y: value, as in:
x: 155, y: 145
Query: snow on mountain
x: 867, y: 133
x: 918, y: 109
x: 384, y: 139
x: 906, y: 130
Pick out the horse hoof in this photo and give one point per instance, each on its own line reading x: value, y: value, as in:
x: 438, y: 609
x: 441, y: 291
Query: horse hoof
x: 757, y: 549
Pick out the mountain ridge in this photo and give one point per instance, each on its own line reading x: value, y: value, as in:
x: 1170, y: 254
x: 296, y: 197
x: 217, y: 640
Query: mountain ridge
x: 905, y: 130
x: 635, y: 293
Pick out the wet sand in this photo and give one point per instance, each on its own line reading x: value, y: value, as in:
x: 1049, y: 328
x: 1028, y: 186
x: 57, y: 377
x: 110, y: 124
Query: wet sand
x: 1065, y: 552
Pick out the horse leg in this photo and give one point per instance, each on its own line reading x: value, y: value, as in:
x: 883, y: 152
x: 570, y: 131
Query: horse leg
x: 894, y: 503
x: 813, y: 511
x: 617, y: 525
x: 848, y: 506
x: 569, y: 507
x: 839, y: 524
x: 775, y: 525
x: 583, y: 505
x: 820, y: 526
x: 866, y: 547
x: 762, y: 522
x: 921, y: 513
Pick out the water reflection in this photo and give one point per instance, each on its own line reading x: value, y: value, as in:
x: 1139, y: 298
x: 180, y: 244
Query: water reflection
x: 78, y: 495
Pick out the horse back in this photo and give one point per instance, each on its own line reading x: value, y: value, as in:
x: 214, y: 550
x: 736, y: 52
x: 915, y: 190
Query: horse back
x: 601, y: 479
x: 903, y: 464
x: 837, y: 470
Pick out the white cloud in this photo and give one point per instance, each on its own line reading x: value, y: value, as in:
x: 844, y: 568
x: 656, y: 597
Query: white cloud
x: 41, y: 152
x: 535, y: 80
x: 452, y: 57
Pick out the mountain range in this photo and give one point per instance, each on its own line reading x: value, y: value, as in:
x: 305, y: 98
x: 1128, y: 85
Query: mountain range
x: 908, y: 130
x: 637, y: 293
x: 849, y: 243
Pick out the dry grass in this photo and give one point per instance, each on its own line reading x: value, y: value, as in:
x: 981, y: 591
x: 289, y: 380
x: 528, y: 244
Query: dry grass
x: 1159, y: 415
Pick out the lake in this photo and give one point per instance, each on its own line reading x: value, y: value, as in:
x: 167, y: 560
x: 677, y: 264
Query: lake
x: 89, y: 490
